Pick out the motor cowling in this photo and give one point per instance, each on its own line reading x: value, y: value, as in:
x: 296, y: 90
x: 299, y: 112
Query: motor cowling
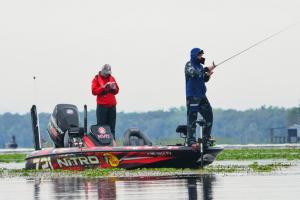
x: 64, y: 118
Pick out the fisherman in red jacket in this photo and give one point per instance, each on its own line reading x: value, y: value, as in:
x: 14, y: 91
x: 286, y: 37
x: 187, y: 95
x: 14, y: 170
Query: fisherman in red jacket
x: 105, y: 87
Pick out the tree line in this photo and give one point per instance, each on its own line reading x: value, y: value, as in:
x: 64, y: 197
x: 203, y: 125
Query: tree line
x: 230, y: 126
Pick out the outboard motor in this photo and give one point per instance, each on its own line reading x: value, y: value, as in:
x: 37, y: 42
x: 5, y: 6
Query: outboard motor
x: 63, y: 126
x: 101, y: 135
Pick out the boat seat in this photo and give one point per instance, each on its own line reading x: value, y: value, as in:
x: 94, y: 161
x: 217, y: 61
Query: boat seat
x: 134, y: 137
x: 101, y: 135
x: 182, y: 129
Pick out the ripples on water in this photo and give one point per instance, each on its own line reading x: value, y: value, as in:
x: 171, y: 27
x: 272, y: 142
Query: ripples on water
x: 283, y: 184
x: 198, y: 187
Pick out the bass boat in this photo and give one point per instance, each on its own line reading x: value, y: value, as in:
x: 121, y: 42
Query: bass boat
x: 77, y: 148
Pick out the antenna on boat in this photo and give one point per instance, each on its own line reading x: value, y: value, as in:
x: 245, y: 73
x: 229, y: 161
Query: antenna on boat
x: 257, y: 43
x: 85, y: 118
x: 35, y: 118
x: 34, y: 89
x: 35, y: 128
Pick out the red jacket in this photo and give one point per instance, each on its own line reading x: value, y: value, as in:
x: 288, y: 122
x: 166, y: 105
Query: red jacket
x: 105, y: 95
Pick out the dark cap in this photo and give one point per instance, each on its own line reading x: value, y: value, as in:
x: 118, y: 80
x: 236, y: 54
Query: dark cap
x: 201, y: 52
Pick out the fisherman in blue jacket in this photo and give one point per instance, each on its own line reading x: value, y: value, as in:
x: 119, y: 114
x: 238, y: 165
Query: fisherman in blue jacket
x: 196, y: 74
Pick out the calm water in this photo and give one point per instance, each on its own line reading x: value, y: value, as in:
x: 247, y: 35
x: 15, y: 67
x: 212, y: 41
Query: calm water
x: 281, y: 185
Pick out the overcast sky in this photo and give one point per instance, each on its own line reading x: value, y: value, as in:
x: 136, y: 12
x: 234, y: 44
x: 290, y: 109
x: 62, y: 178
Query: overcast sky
x: 147, y: 43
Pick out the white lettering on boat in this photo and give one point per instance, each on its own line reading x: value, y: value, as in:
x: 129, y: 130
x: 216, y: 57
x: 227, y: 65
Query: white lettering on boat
x: 75, y: 161
x: 42, y: 163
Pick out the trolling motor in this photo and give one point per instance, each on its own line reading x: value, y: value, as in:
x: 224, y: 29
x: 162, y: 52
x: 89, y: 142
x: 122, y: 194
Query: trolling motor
x: 200, y: 140
x: 203, y: 143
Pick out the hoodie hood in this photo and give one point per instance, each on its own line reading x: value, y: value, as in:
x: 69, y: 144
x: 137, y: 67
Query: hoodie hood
x: 194, y: 54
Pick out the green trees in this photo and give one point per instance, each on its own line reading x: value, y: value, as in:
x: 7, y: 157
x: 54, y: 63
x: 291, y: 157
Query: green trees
x: 230, y: 126
x: 293, y: 116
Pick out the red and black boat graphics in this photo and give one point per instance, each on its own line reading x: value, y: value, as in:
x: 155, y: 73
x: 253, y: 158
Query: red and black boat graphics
x: 128, y: 157
x: 76, y: 148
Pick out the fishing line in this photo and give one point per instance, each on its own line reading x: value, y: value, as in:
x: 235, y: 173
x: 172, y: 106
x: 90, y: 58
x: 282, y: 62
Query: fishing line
x: 257, y: 43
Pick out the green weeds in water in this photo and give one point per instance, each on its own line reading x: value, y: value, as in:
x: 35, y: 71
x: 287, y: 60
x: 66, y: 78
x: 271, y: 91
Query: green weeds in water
x: 240, y: 154
x: 100, y: 172
x: 268, y: 167
x: 224, y: 169
x: 7, y: 158
x: 254, y: 167
x: 96, y: 173
x: 258, y: 154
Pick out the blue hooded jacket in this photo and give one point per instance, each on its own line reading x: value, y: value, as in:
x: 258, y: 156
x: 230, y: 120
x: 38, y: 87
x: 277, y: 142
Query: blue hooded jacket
x: 194, y: 76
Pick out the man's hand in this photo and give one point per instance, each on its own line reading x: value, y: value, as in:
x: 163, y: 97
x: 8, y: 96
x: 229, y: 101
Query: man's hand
x: 210, y: 70
x: 112, y: 86
x: 209, y: 73
x: 109, y: 85
x: 106, y: 85
x: 210, y: 67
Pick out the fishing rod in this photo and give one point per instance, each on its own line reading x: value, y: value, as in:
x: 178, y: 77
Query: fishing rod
x: 257, y: 43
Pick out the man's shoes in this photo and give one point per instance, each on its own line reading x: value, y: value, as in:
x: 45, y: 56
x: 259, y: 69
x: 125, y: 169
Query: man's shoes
x: 208, y: 142
x: 191, y: 141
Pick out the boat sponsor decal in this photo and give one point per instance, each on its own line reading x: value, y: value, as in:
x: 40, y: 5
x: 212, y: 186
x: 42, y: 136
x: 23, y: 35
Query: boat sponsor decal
x: 111, y: 159
x: 53, y: 124
x: 42, y: 163
x: 53, y: 131
x: 70, y: 111
x: 101, y: 130
x: 103, y: 136
x: 77, y: 161
x: 135, y: 158
x: 159, y: 153
x: 173, y: 147
x: 144, y: 160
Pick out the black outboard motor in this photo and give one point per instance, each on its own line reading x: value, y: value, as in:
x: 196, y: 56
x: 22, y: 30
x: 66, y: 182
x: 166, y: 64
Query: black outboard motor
x: 64, y: 125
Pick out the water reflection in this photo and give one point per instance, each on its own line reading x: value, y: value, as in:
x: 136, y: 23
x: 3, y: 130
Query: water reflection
x: 282, y: 184
x: 84, y: 188
x: 199, y: 187
x: 205, y: 182
x: 36, y: 191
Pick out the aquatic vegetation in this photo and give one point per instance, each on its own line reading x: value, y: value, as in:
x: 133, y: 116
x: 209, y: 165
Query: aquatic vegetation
x: 154, y: 172
x: 254, y: 167
x: 267, y: 167
x: 7, y: 158
x: 99, y: 172
x: 224, y: 169
x: 257, y: 154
